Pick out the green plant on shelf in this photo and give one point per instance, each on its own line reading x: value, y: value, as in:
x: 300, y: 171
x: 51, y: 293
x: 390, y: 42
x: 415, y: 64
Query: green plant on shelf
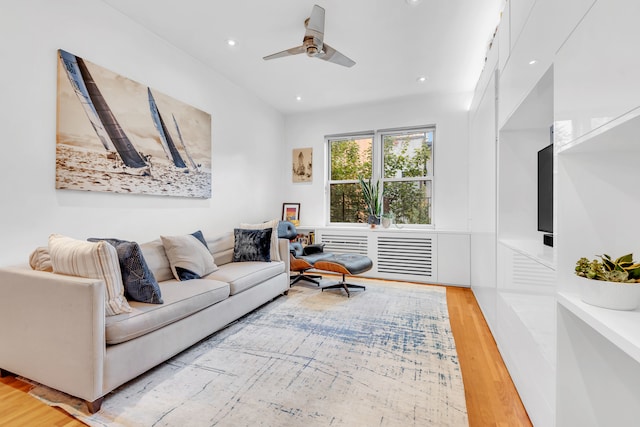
x: 621, y: 270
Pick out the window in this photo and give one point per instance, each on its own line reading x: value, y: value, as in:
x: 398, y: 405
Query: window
x: 401, y: 159
x: 349, y: 158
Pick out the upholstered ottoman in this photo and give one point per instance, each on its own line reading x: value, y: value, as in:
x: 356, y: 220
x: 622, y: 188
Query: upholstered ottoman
x: 344, y: 264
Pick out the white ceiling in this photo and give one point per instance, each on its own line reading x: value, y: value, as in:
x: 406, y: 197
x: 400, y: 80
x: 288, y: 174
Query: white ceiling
x: 392, y: 43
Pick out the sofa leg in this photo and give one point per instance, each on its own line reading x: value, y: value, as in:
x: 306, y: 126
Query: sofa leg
x: 4, y: 373
x: 286, y: 292
x: 94, y: 406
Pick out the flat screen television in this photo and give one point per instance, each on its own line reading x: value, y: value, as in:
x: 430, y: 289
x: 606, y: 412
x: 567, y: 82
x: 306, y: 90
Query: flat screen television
x: 545, y: 189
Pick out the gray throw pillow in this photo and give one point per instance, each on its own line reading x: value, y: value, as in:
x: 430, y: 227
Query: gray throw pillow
x: 252, y: 245
x: 139, y: 282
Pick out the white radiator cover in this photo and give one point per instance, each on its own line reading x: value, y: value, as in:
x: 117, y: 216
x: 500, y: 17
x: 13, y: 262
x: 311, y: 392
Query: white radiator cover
x: 410, y: 256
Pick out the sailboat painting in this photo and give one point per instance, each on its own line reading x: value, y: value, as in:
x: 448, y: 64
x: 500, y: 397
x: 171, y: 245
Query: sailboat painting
x: 117, y: 135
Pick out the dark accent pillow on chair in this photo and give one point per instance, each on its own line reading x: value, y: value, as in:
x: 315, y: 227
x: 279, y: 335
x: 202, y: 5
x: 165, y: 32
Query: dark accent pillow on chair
x: 252, y: 245
x: 139, y: 282
x: 316, y: 248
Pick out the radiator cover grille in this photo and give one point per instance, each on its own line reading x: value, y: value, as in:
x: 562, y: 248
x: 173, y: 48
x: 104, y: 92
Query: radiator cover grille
x: 346, y: 243
x: 406, y: 255
x: 395, y: 256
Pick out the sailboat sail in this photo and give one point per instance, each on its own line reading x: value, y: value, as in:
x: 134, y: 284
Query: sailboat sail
x: 128, y: 153
x: 75, y: 78
x: 193, y: 164
x: 165, y: 138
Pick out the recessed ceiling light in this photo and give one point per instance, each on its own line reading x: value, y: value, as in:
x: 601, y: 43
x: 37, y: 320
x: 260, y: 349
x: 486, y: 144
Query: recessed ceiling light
x: 413, y: 2
x: 298, y: 98
x: 533, y: 61
x: 231, y: 42
x: 422, y: 79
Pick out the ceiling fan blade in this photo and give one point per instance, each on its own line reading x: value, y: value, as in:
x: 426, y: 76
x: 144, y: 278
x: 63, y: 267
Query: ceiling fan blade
x: 332, y: 55
x: 293, y: 51
x: 315, y: 24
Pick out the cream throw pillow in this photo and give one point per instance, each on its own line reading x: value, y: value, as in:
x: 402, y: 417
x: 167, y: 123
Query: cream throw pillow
x: 188, y: 256
x: 273, y: 224
x: 40, y: 259
x: 92, y: 260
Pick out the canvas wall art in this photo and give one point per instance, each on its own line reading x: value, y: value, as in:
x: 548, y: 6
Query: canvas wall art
x: 117, y: 135
x: 302, y: 164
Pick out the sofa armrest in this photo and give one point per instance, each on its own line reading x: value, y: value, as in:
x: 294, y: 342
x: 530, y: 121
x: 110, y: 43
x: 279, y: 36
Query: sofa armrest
x: 52, y: 330
x: 283, y: 248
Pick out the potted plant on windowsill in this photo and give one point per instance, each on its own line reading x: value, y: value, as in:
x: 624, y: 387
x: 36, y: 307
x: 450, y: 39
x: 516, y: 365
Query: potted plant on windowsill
x: 373, y: 200
x: 613, y: 284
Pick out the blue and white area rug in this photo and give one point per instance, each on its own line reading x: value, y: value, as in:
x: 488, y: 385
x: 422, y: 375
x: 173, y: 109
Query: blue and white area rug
x: 384, y: 357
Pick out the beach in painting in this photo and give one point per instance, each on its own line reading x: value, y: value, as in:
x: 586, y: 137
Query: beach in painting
x: 79, y: 168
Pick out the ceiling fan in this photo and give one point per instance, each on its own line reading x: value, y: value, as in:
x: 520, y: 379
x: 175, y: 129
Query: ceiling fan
x: 313, y: 44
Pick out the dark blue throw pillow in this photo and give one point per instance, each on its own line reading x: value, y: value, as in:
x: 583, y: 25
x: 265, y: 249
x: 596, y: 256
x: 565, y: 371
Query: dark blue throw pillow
x: 139, y: 282
x: 252, y: 245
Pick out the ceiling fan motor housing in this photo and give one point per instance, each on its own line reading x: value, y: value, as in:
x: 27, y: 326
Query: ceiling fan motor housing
x: 311, y: 47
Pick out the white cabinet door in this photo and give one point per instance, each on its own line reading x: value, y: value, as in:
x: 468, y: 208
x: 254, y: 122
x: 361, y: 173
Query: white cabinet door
x: 597, y: 70
x: 454, y: 259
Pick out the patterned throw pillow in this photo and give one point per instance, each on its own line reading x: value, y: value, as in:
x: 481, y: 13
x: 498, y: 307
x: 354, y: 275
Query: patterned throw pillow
x: 139, y: 282
x: 92, y: 260
x: 252, y: 245
x: 189, y: 256
x: 273, y: 225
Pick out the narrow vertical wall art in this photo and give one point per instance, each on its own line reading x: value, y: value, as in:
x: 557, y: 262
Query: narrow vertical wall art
x: 117, y: 135
x: 302, y: 165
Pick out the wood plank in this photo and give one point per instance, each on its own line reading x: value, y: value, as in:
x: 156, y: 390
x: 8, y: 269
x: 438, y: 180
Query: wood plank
x: 492, y: 399
x: 18, y: 408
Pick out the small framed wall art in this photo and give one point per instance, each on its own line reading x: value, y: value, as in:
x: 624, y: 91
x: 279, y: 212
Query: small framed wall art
x: 302, y: 164
x: 291, y: 212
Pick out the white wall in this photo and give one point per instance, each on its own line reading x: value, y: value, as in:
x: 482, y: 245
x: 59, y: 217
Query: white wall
x: 448, y: 113
x: 246, y: 168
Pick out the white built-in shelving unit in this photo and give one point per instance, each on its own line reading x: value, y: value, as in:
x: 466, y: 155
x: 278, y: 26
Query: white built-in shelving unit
x: 526, y: 285
x: 598, y: 188
x: 570, y: 64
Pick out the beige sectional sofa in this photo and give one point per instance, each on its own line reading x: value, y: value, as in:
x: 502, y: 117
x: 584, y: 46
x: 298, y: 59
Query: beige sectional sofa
x: 53, y: 327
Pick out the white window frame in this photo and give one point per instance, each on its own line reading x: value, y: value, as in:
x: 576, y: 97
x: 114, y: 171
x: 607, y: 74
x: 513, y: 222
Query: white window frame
x: 328, y: 182
x: 377, y: 154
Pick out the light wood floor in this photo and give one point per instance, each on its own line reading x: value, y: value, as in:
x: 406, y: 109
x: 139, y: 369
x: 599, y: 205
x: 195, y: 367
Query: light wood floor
x: 492, y: 399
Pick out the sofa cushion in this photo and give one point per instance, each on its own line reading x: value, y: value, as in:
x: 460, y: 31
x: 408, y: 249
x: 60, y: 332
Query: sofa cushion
x: 157, y: 261
x: 245, y: 275
x: 273, y: 225
x: 252, y: 245
x: 92, y: 260
x: 189, y: 256
x: 139, y: 282
x: 181, y: 299
x: 221, y: 247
